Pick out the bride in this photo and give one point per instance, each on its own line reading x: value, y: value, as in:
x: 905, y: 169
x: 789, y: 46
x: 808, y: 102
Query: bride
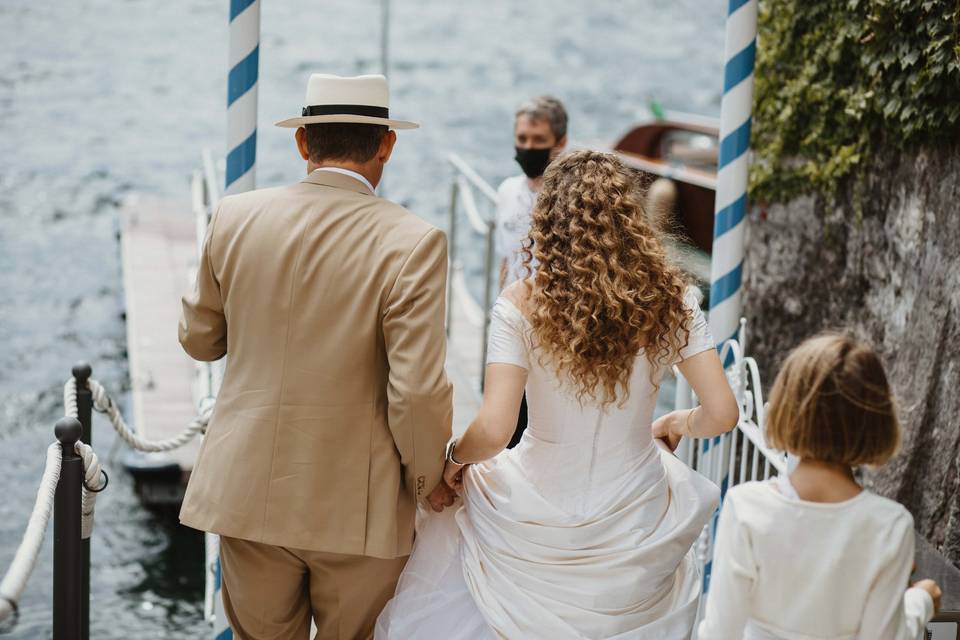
x: 584, y: 530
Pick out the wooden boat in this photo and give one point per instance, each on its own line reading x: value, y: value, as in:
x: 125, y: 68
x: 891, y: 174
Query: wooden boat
x: 681, y: 149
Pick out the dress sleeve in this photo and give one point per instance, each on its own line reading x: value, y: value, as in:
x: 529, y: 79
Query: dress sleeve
x: 732, y: 580
x: 507, y: 341
x: 700, y: 338
x: 893, y: 611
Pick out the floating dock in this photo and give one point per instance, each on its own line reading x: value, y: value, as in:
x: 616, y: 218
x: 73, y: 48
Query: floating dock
x: 159, y: 251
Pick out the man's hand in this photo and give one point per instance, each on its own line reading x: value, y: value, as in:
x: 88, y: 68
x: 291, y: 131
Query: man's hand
x: 441, y: 497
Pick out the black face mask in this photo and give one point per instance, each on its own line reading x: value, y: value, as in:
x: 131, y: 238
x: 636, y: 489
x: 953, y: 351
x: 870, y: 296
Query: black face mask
x: 533, y: 161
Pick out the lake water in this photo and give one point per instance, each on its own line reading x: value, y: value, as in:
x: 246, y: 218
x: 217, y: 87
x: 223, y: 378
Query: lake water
x: 104, y: 98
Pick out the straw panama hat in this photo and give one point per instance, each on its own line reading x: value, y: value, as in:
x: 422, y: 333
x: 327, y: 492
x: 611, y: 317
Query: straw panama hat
x: 360, y: 99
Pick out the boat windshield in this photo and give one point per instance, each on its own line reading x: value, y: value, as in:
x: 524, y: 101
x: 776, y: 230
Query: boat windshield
x: 690, y: 148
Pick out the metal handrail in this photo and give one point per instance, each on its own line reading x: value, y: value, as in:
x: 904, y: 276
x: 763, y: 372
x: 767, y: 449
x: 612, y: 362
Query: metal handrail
x: 470, y: 306
x: 206, y: 198
x: 738, y: 455
x: 199, y: 205
x: 477, y: 221
x: 468, y: 172
x: 211, y: 182
x: 465, y: 182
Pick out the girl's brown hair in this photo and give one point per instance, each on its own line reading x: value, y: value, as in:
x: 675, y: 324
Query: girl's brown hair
x: 603, y: 290
x: 831, y: 401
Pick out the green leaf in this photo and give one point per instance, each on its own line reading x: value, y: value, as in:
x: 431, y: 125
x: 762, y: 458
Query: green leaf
x: 839, y: 84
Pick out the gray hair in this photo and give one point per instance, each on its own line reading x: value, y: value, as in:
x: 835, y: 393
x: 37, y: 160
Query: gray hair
x: 546, y: 108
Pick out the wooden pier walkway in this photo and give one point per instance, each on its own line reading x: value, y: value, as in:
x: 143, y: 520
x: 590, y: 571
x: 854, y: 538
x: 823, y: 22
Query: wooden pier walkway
x: 159, y: 257
x: 158, y: 248
x: 463, y: 367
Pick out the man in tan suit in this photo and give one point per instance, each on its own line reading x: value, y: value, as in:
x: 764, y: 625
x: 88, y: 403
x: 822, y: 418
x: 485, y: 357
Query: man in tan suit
x: 335, y: 409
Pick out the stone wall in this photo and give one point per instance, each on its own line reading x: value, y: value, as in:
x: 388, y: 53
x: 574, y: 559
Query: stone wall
x: 891, y: 274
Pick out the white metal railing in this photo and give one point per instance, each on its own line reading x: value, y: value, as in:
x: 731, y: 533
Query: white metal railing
x: 206, y: 198
x: 739, y: 455
x: 466, y: 183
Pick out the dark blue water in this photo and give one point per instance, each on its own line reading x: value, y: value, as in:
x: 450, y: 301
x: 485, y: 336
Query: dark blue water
x: 104, y: 98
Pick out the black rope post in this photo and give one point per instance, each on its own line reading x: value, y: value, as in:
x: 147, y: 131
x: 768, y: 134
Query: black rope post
x: 67, y: 548
x: 82, y: 373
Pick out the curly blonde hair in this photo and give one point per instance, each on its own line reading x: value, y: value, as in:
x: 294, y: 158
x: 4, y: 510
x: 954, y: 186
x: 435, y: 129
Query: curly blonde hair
x: 602, y: 290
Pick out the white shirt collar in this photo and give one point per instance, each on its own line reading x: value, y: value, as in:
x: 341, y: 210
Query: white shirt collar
x: 348, y: 172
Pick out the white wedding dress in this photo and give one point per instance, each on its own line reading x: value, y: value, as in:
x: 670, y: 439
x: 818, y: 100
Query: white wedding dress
x: 584, y: 530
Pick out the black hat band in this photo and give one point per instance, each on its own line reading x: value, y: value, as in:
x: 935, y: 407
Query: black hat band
x: 346, y: 110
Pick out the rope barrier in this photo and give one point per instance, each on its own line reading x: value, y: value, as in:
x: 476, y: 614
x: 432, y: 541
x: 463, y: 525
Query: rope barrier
x: 103, y: 403
x: 95, y: 480
x: 26, y: 557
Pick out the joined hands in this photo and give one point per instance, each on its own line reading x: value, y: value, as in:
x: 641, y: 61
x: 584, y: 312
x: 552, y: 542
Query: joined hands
x: 447, y: 491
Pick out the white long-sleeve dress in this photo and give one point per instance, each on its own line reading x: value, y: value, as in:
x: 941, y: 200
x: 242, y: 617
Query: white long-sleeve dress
x: 584, y: 530
x: 789, y: 569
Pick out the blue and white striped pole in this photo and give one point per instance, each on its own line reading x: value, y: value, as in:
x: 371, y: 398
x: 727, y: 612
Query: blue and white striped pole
x: 729, y: 226
x: 730, y: 208
x: 243, y: 63
x: 726, y: 264
x: 221, y: 626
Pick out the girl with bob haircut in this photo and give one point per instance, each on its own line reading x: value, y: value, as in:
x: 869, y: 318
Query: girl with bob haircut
x: 812, y: 554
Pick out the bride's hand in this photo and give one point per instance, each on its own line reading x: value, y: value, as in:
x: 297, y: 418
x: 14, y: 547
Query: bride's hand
x: 670, y: 428
x: 453, y: 476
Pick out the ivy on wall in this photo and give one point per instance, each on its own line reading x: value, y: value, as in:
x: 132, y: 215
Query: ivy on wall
x: 839, y: 82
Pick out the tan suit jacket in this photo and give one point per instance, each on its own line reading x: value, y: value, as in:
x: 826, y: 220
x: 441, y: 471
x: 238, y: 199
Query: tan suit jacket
x: 335, y: 408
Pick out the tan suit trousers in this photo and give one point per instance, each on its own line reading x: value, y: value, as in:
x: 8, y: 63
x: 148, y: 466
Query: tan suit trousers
x: 271, y: 593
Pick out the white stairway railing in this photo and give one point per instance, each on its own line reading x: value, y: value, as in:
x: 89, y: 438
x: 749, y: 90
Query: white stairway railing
x: 465, y: 185
x: 739, y: 455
